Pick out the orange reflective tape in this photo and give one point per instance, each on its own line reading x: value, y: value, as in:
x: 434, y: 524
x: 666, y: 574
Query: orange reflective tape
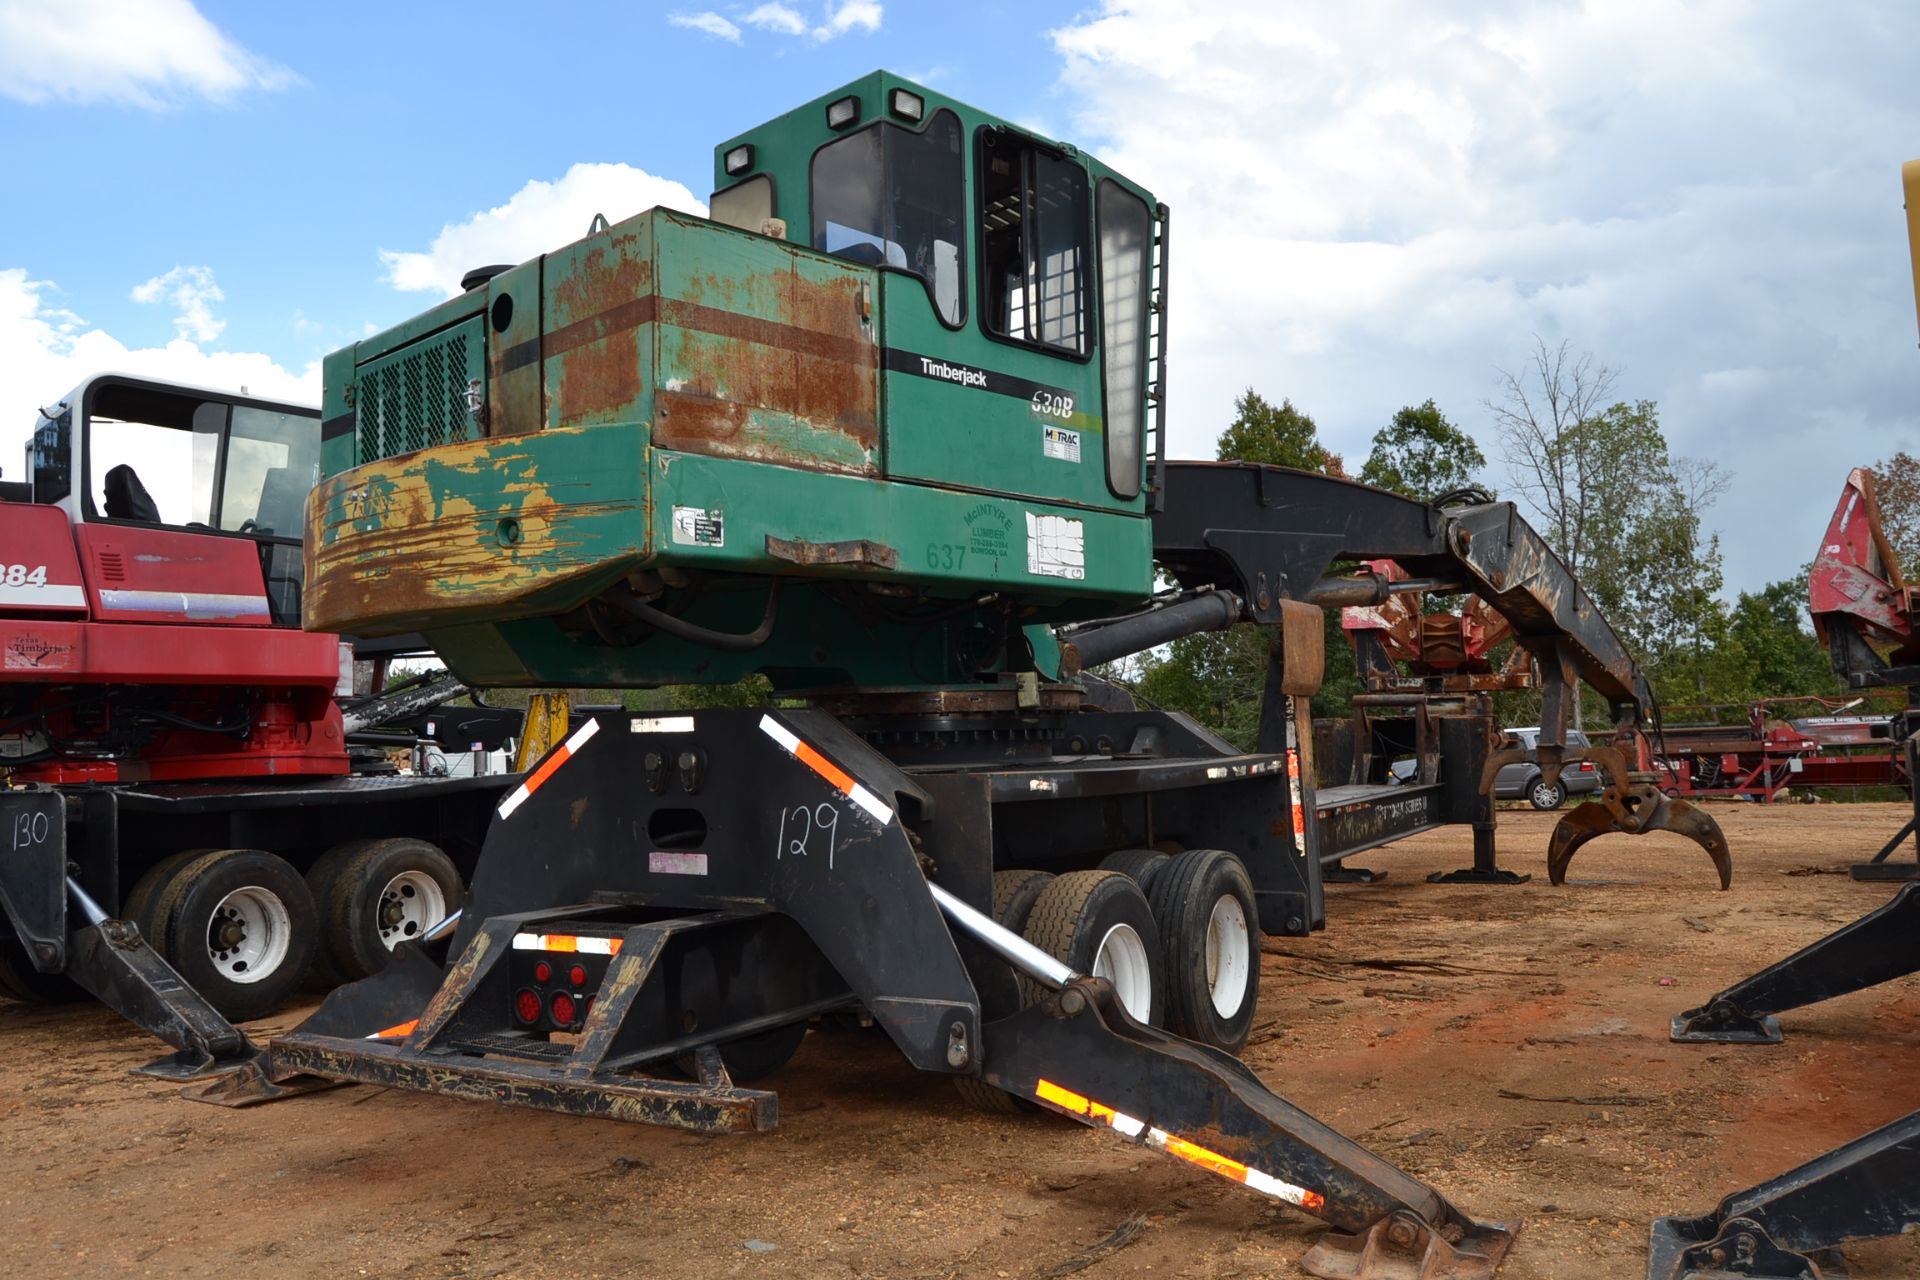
x: 547, y: 768
x: 1212, y: 1161
x: 824, y: 767
x: 1048, y: 1091
x: 399, y: 1032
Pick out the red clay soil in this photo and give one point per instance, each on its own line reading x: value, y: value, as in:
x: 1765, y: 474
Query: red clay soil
x: 1459, y: 1071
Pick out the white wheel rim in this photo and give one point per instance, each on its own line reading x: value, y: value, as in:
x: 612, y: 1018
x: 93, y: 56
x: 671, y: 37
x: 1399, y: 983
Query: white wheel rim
x: 248, y: 936
x: 411, y: 904
x: 1122, y: 960
x: 1542, y: 794
x: 1228, y: 965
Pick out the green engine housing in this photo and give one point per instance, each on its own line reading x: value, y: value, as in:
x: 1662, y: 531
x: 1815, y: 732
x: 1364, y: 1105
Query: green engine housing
x: 900, y: 381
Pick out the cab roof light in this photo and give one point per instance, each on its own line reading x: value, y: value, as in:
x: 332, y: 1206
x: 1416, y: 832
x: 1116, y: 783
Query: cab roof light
x: 842, y: 112
x: 907, y: 105
x: 739, y: 159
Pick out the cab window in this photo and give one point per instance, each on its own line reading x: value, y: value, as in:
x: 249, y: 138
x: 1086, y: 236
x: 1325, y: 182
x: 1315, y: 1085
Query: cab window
x: 151, y: 458
x: 273, y: 461
x: 1126, y: 288
x: 889, y: 197
x: 1034, y: 255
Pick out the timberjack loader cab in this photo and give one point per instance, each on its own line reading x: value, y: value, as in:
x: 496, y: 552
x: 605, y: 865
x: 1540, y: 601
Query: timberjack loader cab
x: 876, y: 422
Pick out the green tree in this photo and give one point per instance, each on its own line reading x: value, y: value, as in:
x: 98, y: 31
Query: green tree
x: 1896, y: 486
x: 1422, y: 455
x: 1771, y: 625
x: 1282, y: 436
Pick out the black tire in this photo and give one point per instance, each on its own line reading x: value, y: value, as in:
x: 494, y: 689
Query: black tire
x: 137, y: 906
x: 1075, y: 914
x: 183, y: 912
x: 361, y: 921
x: 1199, y: 978
x: 1144, y: 865
x: 753, y: 1057
x: 1543, y: 797
x: 19, y: 979
x: 1014, y: 893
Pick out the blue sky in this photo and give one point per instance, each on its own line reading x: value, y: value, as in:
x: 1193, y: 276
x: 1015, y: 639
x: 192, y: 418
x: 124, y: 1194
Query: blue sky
x: 1375, y: 203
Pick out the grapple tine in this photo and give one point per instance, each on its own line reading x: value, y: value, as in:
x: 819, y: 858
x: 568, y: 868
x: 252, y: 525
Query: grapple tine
x: 1635, y: 810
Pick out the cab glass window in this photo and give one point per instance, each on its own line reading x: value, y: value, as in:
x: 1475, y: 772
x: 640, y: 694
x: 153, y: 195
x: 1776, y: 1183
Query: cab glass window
x: 1034, y: 258
x: 273, y: 461
x: 1126, y: 266
x: 152, y: 458
x: 890, y: 197
x: 747, y: 205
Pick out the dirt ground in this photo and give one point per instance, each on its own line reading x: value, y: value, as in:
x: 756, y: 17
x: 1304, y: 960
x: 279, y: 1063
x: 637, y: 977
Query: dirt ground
x: 1450, y: 1071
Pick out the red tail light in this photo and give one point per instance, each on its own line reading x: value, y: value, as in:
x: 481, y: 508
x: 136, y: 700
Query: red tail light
x: 543, y: 972
x: 562, y: 1009
x: 526, y: 1005
x: 577, y: 976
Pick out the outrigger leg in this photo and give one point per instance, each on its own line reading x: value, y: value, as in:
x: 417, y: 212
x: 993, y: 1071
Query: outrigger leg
x: 1783, y: 1228
x: 106, y: 957
x: 1878, y: 947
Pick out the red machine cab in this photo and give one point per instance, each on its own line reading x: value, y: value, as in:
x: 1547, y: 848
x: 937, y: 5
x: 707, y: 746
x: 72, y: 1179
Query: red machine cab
x: 150, y: 581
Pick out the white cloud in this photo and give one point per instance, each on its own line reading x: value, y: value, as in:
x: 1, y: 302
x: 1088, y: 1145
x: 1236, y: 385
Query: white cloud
x: 1379, y: 203
x: 711, y: 23
x: 539, y: 217
x: 778, y: 17
x: 844, y: 15
x: 47, y: 351
x: 145, y: 53
x: 192, y: 291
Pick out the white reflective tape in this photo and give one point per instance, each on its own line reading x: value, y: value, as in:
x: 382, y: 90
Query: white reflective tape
x: 661, y: 724
x: 514, y: 800
x: 579, y: 736
x: 1127, y: 1124
x: 879, y: 812
x: 1270, y: 1185
x: 779, y: 733
x: 54, y: 595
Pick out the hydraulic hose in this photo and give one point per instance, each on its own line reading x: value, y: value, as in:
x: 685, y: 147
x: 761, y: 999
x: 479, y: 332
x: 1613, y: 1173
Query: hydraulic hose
x: 692, y: 633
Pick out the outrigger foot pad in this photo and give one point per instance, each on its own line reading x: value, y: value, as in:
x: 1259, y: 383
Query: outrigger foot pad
x: 1635, y: 810
x: 1478, y: 875
x: 251, y: 1084
x: 1705, y: 1249
x: 1723, y: 1022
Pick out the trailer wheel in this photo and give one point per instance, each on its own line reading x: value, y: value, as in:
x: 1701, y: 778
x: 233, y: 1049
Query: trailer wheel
x: 374, y: 895
x: 19, y: 979
x: 751, y: 1057
x: 1098, y: 923
x: 1204, y: 906
x: 1143, y: 865
x: 240, y: 926
x: 1541, y: 796
x: 1014, y: 893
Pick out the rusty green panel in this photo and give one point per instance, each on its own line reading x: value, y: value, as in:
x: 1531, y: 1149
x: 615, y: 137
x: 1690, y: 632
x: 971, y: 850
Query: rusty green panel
x: 719, y: 512
x: 765, y: 353
x: 488, y: 529
x: 515, y: 395
x: 599, y: 304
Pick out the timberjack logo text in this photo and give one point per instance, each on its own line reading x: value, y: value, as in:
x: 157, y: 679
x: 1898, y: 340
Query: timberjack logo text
x: 953, y: 372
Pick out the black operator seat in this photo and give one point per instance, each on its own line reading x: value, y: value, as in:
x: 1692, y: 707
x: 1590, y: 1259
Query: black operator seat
x: 127, y: 498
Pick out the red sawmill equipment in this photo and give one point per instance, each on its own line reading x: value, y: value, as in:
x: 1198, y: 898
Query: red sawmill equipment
x: 1767, y: 754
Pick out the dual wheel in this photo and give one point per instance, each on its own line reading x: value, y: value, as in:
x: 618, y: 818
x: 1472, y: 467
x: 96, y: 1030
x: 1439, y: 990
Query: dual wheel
x: 1174, y: 934
x: 244, y: 928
